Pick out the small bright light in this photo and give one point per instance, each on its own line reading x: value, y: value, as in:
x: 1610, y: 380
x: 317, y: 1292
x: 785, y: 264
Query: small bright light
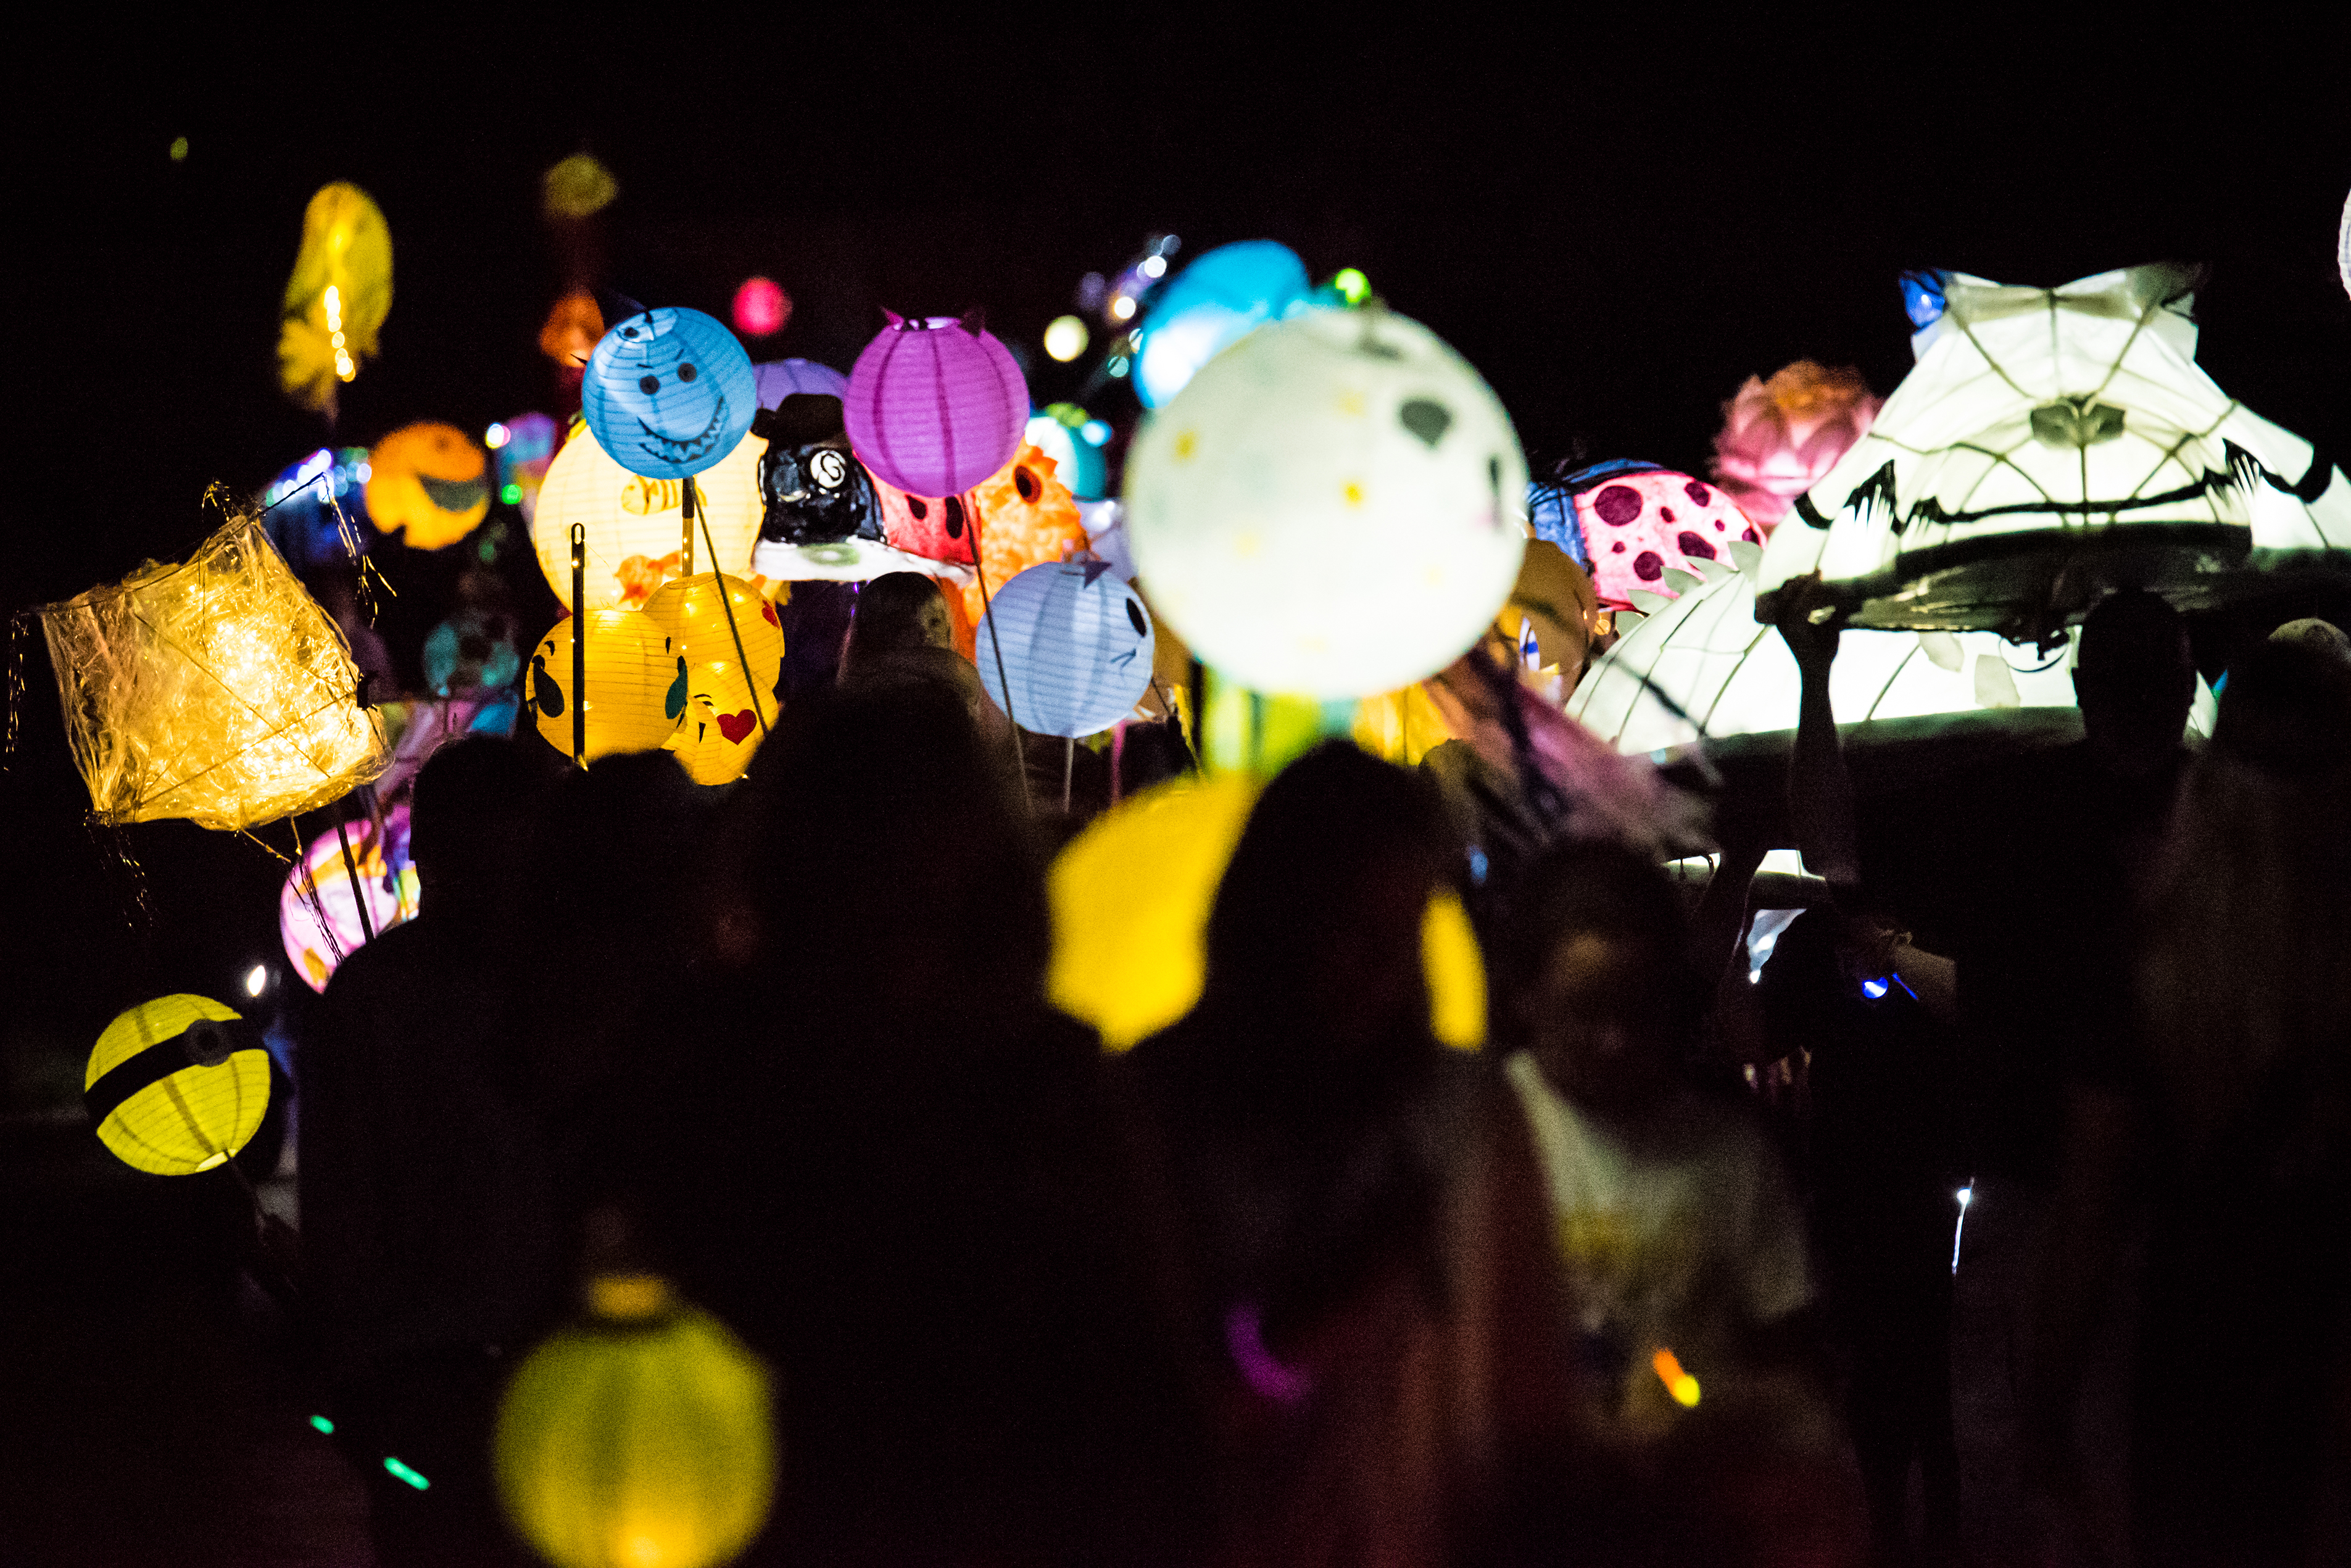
x: 761, y: 306
x: 1966, y: 1195
x: 498, y: 436
x: 1122, y: 308
x: 179, y: 148
x: 1352, y: 286
x: 511, y: 495
x: 256, y: 980
x: 1117, y: 367
x: 1155, y: 266
x: 1066, y: 339
x: 1096, y: 431
x: 404, y: 1473
x: 323, y: 1425
x: 1872, y: 989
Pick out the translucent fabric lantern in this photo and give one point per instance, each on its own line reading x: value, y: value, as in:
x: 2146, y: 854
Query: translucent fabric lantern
x: 1779, y: 436
x: 733, y: 653
x: 338, y: 297
x: 319, y: 906
x: 1331, y: 507
x: 779, y: 379
x: 176, y: 1085
x: 1130, y: 901
x: 431, y: 480
x: 636, y: 683
x: 2051, y: 445
x: 634, y: 524
x: 1066, y: 649
x: 216, y: 690
x: 934, y: 405
x: 643, y: 1437
x: 669, y: 393
x: 1703, y: 660
x: 1221, y: 297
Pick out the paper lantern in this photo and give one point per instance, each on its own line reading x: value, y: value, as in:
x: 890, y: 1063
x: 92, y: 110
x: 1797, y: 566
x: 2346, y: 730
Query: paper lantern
x: 636, y: 683
x: 669, y: 393
x: 1330, y: 506
x: 634, y: 524
x: 761, y: 306
x: 734, y: 653
x: 526, y: 447
x: 641, y: 1437
x: 322, y: 927
x: 338, y: 297
x: 431, y: 480
x: 2052, y: 444
x: 1066, y: 434
x: 570, y: 333
x: 578, y: 187
x: 1779, y: 436
x: 1214, y: 303
x: 936, y: 405
x: 779, y: 379
x: 1066, y: 649
x: 216, y: 690
x: 1640, y: 522
x: 1023, y: 516
x: 1130, y: 900
x: 176, y: 1085
x: 1702, y: 660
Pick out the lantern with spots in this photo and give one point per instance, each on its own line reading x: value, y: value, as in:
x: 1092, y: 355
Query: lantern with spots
x: 669, y: 393
x: 1640, y: 521
x: 1330, y: 506
x: 1022, y: 515
x: 731, y: 642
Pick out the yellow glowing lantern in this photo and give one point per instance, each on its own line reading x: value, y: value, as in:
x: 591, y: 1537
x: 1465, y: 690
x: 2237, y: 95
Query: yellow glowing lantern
x: 635, y: 524
x: 636, y: 683
x: 642, y: 1437
x: 338, y: 297
x: 1131, y: 896
x: 431, y: 480
x: 176, y: 1085
x: 216, y: 690
x: 734, y: 651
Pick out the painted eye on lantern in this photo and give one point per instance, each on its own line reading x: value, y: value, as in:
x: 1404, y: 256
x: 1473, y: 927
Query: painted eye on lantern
x: 917, y: 506
x: 829, y: 467
x: 685, y: 372
x: 954, y: 518
x: 1026, y: 483
x: 649, y: 384
x: 1135, y: 619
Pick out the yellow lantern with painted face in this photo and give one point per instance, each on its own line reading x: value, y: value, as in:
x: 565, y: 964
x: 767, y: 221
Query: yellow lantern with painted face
x: 732, y: 642
x: 637, y: 683
x: 176, y: 1085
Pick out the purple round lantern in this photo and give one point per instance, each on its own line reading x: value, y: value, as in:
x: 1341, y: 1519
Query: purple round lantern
x: 936, y: 405
x: 779, y: 379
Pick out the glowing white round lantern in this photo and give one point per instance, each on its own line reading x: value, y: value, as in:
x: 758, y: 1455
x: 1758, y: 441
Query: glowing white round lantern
x: 635, y: 524
x: 1329, y: 508
x: 1074, y: 644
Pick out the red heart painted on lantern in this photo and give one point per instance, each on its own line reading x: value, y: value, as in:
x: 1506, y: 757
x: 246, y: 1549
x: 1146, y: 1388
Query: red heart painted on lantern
x: 736, y: 725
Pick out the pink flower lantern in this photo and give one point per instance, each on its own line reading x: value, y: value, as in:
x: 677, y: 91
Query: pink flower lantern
x: 1779, y: 436
x: 936, y: 405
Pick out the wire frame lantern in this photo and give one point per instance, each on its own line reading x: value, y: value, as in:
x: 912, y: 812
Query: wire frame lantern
x: 215, y: 689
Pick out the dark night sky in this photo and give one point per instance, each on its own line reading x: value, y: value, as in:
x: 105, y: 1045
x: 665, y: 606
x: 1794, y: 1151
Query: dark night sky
x: 1616, y: 226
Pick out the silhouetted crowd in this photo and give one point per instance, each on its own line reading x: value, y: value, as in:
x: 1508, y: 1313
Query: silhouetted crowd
x: 1662, y: 1274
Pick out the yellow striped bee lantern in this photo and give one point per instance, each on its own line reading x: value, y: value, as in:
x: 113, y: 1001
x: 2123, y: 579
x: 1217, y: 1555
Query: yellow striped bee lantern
x: 177, y: 1085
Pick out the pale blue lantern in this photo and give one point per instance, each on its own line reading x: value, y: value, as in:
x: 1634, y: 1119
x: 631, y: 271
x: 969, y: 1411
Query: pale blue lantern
x: 1222, y: 297
x: 1065, y: 648
x: 669, y: 393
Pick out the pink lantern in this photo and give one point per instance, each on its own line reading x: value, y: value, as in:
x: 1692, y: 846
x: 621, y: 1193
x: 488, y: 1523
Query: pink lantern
x: 319, y: 922
x: 761, y: 308
x: 936, y: 405
x: 1779, y: 436
x: 1640, y: 523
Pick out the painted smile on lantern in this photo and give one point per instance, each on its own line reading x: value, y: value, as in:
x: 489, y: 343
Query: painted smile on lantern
x: 669, y: 449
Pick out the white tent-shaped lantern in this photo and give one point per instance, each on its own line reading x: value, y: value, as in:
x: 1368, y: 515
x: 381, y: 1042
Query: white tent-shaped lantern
x: 2051, y: 445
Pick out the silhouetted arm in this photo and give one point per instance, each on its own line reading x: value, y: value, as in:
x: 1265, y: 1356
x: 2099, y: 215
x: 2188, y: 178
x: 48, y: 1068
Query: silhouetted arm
x: 1820, y: 790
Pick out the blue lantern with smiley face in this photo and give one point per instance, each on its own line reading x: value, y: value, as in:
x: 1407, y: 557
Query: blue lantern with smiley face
x: 669, y: 393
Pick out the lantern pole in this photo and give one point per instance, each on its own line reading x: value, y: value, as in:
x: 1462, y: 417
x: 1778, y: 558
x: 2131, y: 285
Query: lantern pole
x: 580, y: 645
x: 1068, y: 766
x: 687, y: 510
x: 351, y: 870
x: 733, y: 630
x: 996, y: 645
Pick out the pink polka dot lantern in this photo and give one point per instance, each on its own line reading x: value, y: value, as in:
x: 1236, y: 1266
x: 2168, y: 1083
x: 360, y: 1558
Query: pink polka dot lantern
x: 936, y: 405
x: 1640, y: 523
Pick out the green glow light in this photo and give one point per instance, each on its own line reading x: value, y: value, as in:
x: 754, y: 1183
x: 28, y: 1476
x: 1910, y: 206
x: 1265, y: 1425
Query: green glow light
x: 1352, y: 285
x: 323, y: 1425
x: 511, y: 495
x: 404, y: 1473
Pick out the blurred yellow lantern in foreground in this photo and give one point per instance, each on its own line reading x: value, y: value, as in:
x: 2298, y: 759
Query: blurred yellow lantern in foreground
x: 734, y: 651
x: 636, y: 683
x: 338, y: 297
x: 216, y: 690
x: 1131, y: 897
x: 176, y: 1085
x: 634, y: 524
x: 640, y: 1438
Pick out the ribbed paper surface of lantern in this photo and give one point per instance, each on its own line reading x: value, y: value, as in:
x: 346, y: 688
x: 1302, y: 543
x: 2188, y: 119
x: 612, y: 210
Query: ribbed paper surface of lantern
x: 1331, y: 507
x: 187, y: 1120
x: 1066, y: 649
x: 730, y: 689
x: 320, y: 926
x: 216, y: 690
x: 638, y: 1443
x: 634, y: 524
x: 779, y: 379
x: 934, y: 406
x: 636, y: 683
x: 669, y: 392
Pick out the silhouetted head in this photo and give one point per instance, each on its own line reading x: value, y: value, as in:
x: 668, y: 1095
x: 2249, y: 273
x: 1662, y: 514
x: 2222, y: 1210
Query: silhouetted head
x: 469, y: 819
x: 1318, y: 920
x: 896, y: 612
x: 2135, y: 682
x: 2287, y: 707
x: 1595, y: 974
x: 2321, y: 637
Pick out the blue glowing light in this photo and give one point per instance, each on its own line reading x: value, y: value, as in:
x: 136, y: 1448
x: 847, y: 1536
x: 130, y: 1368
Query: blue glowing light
x: 1922, y: 298
x: 1477, y: 867
x: 1872, y: 989
x: 1214, y: 303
